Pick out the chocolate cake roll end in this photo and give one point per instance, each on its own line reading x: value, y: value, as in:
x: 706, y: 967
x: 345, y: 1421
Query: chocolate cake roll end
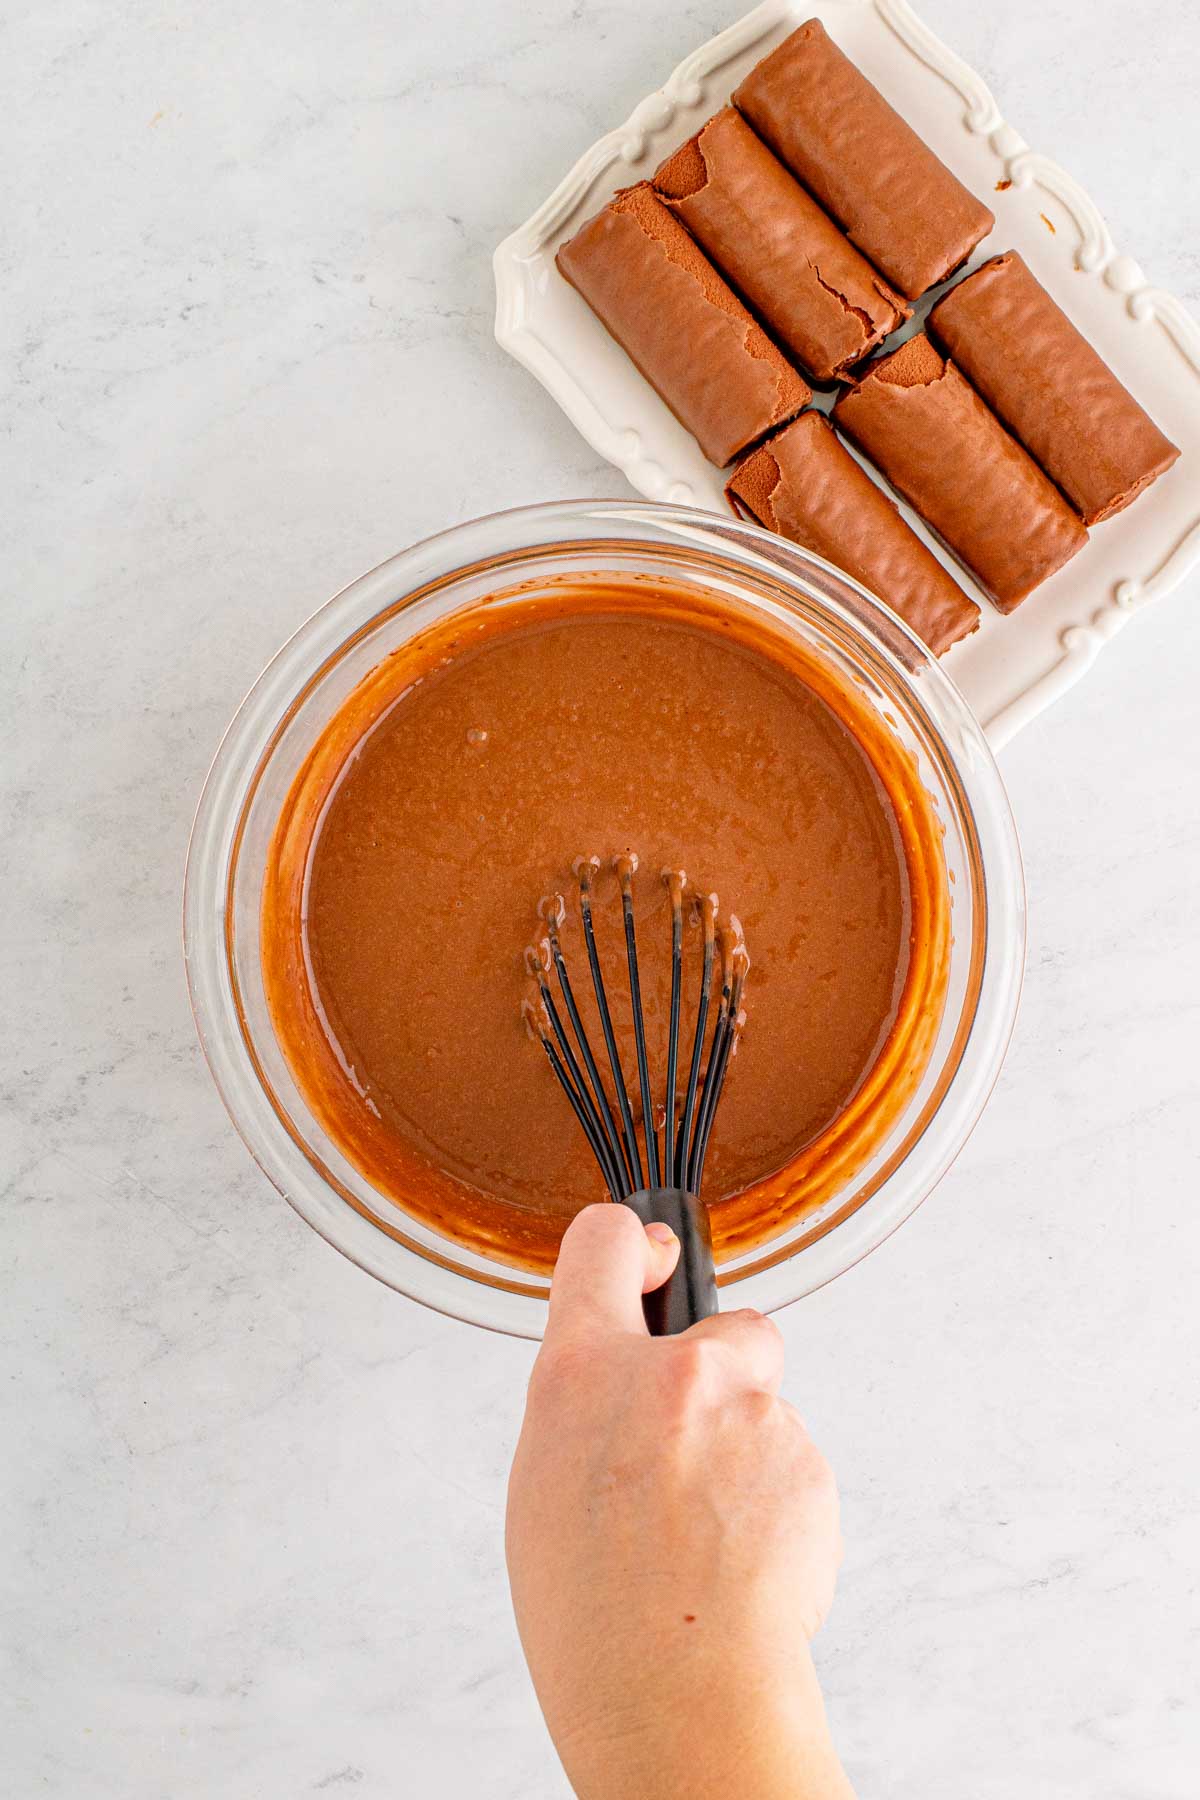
x: 805, y: 485
x: 681, y: 324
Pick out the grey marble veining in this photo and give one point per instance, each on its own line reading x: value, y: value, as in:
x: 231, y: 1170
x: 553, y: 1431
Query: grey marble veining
x: 252, y: 1501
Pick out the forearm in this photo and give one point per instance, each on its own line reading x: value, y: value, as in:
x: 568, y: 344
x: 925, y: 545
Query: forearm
x: 759, y: 1740
x: 672, y: 1541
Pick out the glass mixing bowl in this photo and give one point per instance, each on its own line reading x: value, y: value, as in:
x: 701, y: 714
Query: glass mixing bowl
x: 306, y: 684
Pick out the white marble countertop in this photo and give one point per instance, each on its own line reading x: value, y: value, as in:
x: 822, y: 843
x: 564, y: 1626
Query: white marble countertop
x: 252, y: 1501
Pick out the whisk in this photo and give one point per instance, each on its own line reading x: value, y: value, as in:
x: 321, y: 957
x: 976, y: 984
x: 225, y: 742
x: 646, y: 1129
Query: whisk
x: 666, y: 1184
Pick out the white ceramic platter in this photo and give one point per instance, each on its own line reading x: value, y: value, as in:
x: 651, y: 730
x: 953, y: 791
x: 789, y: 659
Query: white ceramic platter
x: 1012, y: 667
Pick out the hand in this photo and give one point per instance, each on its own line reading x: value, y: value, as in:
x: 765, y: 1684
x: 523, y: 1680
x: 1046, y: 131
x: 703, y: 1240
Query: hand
x: 672, y: 1539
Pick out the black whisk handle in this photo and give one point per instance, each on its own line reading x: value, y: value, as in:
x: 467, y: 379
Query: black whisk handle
x: 691, y: 1292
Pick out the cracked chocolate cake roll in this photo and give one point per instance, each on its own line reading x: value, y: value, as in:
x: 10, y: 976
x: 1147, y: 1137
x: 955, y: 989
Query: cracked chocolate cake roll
x: 681, y: 324
x: 1051, y: 388
x: 920, y: 421
x: 805, y: 485
x: 817, y: 296
x: 898, y: 202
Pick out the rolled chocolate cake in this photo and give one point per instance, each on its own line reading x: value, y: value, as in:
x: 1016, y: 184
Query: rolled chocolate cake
x: 899, y: 203
x: 1050, y: 387
x: 805, y: 485
x: 920, y: 421
x: 681, y: 324
x: 819, y: 298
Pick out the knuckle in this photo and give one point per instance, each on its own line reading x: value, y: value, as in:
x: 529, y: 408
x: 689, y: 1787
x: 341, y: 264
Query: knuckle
x: 765, y: 1330
x: 750, y: 1315
x: 761, y: 1408
x: 767, y: 1326
x: 694, y: 1360
x: 753, y: 1346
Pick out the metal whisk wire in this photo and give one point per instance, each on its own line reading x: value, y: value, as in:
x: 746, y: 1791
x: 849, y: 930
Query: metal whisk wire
x: 734, y: 964
x: 686, y: 1131
x: 585, y: 869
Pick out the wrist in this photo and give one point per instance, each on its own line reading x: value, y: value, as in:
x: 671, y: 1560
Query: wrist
x: 705, y: 1732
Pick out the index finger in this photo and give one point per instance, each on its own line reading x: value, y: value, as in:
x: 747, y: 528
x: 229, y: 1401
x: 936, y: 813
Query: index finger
x: 605, y: 1264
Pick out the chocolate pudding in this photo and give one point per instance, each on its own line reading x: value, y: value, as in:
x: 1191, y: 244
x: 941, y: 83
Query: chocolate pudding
x: 453, y: 793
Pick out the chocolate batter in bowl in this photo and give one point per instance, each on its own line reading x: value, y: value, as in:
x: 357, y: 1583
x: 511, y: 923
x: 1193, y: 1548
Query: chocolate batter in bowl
x: 419, y: 767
